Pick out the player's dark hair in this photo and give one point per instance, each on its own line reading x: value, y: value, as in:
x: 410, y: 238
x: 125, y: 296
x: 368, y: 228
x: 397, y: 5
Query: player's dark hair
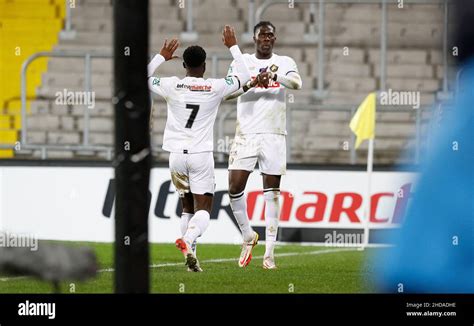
x: 263, y: 23
x: 194, y: 56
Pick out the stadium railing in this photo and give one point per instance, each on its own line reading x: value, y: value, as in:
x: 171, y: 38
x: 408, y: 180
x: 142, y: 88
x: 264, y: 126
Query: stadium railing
x: 350, y: 109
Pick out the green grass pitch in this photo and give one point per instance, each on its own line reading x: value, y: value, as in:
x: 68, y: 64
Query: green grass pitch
x: 301, y: 269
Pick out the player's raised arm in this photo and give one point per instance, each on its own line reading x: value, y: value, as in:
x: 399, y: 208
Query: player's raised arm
x: 166, y: 53
x: 241, y: 72
x: 155, y: 84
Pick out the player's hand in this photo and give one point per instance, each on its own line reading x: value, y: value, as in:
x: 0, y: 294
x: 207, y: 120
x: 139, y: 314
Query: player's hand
x: 168, y: 49
x: 228, y: 36
x: 264, y: 78
x: 254, y: 82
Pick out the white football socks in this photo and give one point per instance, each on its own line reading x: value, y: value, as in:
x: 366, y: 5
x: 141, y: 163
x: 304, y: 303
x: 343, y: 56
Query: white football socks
x: 197, y: 226
x: 238, y: 203
x: 272, y: 215
x: 185, y: 217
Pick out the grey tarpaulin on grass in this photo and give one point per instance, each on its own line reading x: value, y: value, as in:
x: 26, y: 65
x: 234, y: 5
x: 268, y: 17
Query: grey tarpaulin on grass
x: 50, y: 262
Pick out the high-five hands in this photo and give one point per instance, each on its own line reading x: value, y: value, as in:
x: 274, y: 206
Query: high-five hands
x: 263, y: 78
x: 228, y: 36
x: 168, y: 49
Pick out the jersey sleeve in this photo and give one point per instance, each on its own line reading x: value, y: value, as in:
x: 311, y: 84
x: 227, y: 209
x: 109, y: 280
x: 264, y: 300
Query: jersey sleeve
x: 231, y: 71
x: 290, y: 66
x: 228, y: 85
x: 160, y: 85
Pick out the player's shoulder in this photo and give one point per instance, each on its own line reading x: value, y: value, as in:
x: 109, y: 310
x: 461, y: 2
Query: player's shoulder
x: 159, y: 80
x: 284, y: 58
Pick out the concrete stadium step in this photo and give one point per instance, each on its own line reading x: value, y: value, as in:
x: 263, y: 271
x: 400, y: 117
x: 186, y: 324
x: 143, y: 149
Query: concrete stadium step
x: 101, y: 109
x: 209, y: 10
x: 91, y: 38
x: 36, y: 137
x: 76, y: 80
x: 407, y: 70
x: 102, y: 124
x: 57, y: 137
x: 358, y: 12
x: 338, y: 54
x: 103, y: 48
x: 321, y: 115
x: 344, y: 98
x: 279, y: 15
x: 204, y: 25
x: 77, y: 65
x: 157, y: 26
x: 362, y: 84
x: 400, y: 35
x: 158, y: 10
x: 348, y: 69
x: 67, y: 123
x: 42, y: 122
x: 422, y: 85
x: 101, y: 138
x: 334, y: 129
x: 40, y: 107
x: 400, y: 56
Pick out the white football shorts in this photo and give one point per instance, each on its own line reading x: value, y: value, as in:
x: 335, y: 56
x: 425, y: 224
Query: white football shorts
x: 269, y: 150
x: 192, y: 173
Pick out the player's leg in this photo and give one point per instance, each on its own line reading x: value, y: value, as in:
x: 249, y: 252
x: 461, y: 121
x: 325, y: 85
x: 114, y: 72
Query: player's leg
x: 242, y: 160
x: 272, y: 163
x: 200, y: 221
x: 187, y: 203
x: 180, y: 180
x: 202, y: 185
x: 271, y: 193
x: 238, y: 201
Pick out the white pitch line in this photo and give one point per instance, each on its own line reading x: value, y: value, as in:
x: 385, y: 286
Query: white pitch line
x: 225, y: 260
x: 216, y: 260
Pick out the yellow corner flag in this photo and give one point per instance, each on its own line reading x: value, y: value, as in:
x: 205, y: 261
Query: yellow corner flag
x: 363, y: 122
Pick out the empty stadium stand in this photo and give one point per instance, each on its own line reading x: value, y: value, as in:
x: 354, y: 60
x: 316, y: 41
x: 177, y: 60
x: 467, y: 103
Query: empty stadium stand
x: 318, y: 134
x: 26, y: 27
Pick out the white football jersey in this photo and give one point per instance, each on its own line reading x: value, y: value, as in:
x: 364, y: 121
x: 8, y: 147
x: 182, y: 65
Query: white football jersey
x: 263, y: 110
x: 192, y: 109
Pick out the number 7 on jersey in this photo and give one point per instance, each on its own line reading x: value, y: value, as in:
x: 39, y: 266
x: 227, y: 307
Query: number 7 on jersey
x: 194, y: 112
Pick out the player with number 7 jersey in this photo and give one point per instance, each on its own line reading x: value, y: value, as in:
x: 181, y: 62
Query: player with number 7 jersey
x: 192, y: 104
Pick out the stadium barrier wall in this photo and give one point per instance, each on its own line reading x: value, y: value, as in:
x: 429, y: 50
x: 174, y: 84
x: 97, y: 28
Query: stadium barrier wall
x: 317, y: 206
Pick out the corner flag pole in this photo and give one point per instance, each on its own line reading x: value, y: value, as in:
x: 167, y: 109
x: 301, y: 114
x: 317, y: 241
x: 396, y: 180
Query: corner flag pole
x: 370, y: 163
x: 363, y: 126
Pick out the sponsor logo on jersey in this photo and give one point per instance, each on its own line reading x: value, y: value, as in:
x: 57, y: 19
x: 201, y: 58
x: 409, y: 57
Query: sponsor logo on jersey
x: 273, y: 68
x: 156, y: 81
x: 195, y: 88
x: 271, y: 84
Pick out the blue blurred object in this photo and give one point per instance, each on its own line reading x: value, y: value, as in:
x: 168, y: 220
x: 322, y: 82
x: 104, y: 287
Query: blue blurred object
x: 434, y: 250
